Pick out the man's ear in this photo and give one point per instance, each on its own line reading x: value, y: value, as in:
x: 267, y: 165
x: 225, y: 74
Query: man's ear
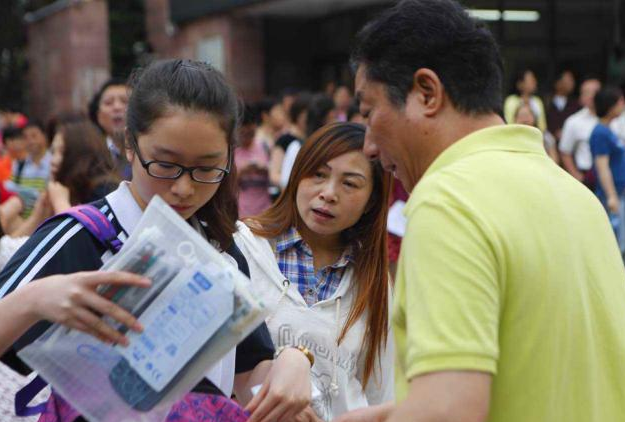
x: 428, y: 92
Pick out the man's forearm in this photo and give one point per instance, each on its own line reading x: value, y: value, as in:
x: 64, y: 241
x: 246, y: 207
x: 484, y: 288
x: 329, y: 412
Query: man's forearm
x: 605, y: 177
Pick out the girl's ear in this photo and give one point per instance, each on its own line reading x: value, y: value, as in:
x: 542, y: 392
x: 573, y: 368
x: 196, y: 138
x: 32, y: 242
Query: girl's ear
x: 129, y: 150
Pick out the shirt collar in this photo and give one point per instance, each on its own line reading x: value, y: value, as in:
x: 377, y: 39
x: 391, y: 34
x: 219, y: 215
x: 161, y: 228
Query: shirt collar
x: 292, y: 239
x: 288, y: 239
x: 512, y: 138
x: 125, y: 208
x: 112, y: 147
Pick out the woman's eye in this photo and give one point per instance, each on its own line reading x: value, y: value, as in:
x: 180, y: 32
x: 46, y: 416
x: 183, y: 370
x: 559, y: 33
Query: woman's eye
x: 350, y: 184
x: 320, y: 175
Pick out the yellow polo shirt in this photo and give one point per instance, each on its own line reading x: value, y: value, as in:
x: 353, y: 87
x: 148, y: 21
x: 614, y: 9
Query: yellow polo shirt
x: 510, y: 266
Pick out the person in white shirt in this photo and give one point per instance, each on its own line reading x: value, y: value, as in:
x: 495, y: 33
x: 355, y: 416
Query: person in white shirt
x: 574, y: 147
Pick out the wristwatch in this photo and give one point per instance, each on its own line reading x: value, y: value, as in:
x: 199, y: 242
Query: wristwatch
x: 303, y: 349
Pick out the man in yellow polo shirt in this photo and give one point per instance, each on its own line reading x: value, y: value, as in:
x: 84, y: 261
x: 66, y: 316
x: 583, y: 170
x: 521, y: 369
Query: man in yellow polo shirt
x: 510, y: 292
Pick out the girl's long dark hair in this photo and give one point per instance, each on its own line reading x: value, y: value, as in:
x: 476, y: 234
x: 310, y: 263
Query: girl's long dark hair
x: 198, y: 87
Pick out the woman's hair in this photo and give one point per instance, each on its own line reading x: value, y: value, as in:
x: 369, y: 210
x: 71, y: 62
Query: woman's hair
x: 94, y: 104
x: 166, y: 85
x: 86, y: 160
x: 320, y: 106
x: 605, y: 99
x: 517, y: 77
x: 367, y: 236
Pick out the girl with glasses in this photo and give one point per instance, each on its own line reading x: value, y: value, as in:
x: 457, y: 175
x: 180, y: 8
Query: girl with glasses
x: 181, y: 123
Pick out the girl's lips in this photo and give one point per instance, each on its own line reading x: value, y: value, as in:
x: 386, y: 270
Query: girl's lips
x: 181, y: 208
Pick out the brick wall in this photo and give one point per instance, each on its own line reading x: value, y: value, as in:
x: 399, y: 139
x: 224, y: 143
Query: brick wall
x: 68, y: 57
x: 239, y: 40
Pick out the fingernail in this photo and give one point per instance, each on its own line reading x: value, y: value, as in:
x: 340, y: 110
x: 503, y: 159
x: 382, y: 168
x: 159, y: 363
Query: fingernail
x: 137, y: 327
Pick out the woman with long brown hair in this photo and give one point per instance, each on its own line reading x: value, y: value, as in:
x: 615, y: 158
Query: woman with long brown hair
x: 81, y: 166
x: 319, y: 256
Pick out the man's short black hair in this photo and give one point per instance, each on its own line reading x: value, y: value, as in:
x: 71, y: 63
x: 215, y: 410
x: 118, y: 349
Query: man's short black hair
x: 605, y: 99
x: 438, y: 35
x: 11, y: 132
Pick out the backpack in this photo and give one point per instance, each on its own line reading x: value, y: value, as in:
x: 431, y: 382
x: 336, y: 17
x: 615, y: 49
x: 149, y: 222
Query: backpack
x: 193, y: 406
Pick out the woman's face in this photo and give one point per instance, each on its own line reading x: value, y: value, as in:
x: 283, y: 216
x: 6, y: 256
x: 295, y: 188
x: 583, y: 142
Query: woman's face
x: 112, y: 109
x: 527, y: 85
x: 525, y: 117
x: 335, y: 197
x: 183, y: 137
x: 57, y: 149
x: 277, y: 117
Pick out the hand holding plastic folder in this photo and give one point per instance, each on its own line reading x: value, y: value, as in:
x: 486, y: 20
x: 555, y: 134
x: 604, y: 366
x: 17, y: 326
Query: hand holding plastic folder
x: 198, y: 308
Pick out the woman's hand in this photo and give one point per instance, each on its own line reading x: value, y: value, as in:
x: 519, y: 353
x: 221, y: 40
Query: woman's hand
x: 72, y: 300
x: 43, y: 207
x: 286, y: 390
x: 59, y: 196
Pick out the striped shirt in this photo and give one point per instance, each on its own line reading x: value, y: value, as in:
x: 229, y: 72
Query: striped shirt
x: 295, y: 260
x: 31, y: 174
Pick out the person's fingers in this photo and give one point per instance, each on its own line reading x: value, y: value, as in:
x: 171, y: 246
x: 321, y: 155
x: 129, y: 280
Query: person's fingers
x: 277, y: 412
x: 107, y: 308
x: 103, y: 331
x: 291, y: 409
x: 77, y: 325
x: 267, y: 402
x: 257, y: 399
x: 114, y: 277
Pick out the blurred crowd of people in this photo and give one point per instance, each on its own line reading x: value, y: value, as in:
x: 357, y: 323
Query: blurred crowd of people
x: 583, y: 131
x: 77, y: 158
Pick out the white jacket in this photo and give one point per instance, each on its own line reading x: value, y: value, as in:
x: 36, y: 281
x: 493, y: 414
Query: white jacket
x: 317, y: 327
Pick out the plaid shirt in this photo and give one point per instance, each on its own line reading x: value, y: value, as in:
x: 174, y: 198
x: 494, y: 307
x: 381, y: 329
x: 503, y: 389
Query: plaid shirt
x: 295, y: 261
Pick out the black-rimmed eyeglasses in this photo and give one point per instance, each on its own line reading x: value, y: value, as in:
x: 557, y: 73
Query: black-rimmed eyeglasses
x: 168, y: 170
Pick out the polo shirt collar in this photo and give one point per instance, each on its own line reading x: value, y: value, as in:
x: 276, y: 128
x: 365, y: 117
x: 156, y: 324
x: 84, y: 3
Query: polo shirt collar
x: 511, y: 138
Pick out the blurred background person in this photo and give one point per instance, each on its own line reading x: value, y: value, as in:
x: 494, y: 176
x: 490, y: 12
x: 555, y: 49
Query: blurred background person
x: 354, y: 116
x: 252, y: 164
x: 295, y: 132
x: 287, y: 98
x: 574, y: 144
x: 608, y: 152
x: 562, y: 104
x: 525, y: 116
x: 618, y: 125
x: 272, y: 121
x: 81, y: 167
x: 14, y: 150
x: 342, y: 101
x: 524, y: 88
x: 107, y: 111
x: 35, y: 171
x: 321, y: 112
